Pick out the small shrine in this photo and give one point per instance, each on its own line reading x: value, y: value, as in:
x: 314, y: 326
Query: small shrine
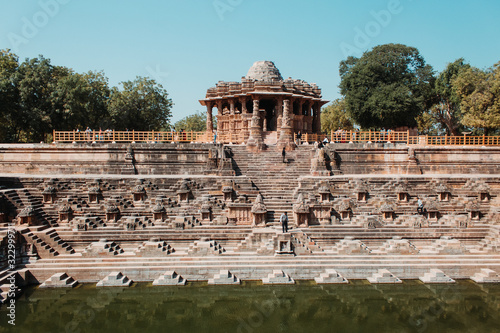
x: 259, y: 212
x: 301, y: 210
x: 443, y: 192
x: 402, y: 192
x: 263, y: 108
x: 49, y: 194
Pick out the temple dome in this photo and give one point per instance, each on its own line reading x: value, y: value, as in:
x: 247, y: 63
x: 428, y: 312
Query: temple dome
x: 264, y: 71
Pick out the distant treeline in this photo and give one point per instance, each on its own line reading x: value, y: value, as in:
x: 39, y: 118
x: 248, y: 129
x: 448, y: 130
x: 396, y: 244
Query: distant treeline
x: 391, y: 86
x: 37, y: 97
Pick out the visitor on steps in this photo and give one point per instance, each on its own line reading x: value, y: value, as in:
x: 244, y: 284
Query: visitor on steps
x: 284, y: 222
x: 420, y: 208
x: 298, y: 138
x: 283, y: 154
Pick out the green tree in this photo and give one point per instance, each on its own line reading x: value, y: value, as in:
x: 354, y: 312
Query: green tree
x: 9, y: 97
x: 36, y: 80
x: 196, y: 122
x: 445, y: 110
x: 480, y: 94
x: 388, y: 86
x: 335, y: 116
x: 143, y: 104
x: 81, y: 100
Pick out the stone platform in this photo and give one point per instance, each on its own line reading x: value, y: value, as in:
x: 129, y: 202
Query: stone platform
x: 221, y: 214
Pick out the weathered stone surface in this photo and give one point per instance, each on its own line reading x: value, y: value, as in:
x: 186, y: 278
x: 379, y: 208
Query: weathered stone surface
x: 264, y: 71
x: 224, y: 277
x: 115, y: 279
x: 59, y: 280
x: 278, y: 277
x: 169, y: 278
x: 486, y: 275
x: 383, y: 276
x: 330, y: 276
x: 436, y: 276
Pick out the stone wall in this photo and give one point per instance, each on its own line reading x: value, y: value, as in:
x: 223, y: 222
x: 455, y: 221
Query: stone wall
x: 118, y: 158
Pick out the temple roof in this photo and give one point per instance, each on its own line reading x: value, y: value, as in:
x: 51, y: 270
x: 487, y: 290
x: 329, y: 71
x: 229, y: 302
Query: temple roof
x: 264, y: 71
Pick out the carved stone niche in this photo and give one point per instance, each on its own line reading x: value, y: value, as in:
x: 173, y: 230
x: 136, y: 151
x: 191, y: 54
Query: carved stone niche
x: 474, y: 211
x: 184, y: 192
x: 227, y: 191
x: 139, y: 192
x: 345, y: 211
x: 387, y: 212
x: 28, y: 216
x: 259, y: 212
x: 49, y: 194
x: 483, y: 191
x: 159, y: 212
x: 324, y: 193
x: 361, y: 193
x: 432, y: 211
x: 402, y: 193
x: 94, y: 194
x: 112, y: 213
x: 302, y: 211
x: 443, y: 193
x: 65, y: 213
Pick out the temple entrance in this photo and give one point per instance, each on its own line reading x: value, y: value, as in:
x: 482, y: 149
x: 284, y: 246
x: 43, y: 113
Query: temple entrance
x: 269, y: 121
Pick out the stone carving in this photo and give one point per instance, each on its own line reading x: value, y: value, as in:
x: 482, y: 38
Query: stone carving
x: 264, y: 71
x: 263, y: 101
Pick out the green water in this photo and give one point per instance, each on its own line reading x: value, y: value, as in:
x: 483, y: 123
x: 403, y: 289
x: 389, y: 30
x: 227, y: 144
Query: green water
x: 252, y: 307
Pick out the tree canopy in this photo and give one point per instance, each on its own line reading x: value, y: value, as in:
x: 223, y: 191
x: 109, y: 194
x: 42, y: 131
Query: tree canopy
x: 445, y: 109
x: 387, y: 87
x: 37, y: 97
x: 143, y: 104
x: 335, y: 116
x: 479, y: 91
x: 196, y: 122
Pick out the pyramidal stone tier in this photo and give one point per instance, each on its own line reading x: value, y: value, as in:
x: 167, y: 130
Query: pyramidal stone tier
x: 59, y: 280
x: 384, y: 276
x: 486, y: 276
x: 224, y: 277
x: 330, y: 276
x: 169, y: 278
x: 115, y: 279
x: 436, y: 276
x: 278, y: 277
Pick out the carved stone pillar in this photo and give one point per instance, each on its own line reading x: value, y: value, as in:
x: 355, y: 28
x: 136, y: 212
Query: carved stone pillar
x: 210, y: 123
x: 219, y: 117
x: 317, y: 118
x: 286, y: 132
x: 243, y: 102
x: 255, y: 142
x: 231, y: 106
x: 279, y: 113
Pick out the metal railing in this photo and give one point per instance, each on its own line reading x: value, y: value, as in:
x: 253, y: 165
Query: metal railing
x: 334, y: 137
x: 129, y: 136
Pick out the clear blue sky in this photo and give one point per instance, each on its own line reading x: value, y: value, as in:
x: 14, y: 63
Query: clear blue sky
x: 189, y: 45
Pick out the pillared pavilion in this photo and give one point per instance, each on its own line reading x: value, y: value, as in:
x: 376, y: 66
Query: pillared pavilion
x: 264, y: 108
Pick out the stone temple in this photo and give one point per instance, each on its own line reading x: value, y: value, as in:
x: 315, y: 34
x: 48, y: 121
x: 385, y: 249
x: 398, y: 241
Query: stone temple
x: 264, y: 108
x: 169, y: 212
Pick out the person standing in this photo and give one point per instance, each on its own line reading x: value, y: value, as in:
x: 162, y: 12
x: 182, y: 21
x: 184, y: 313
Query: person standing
x: 283, y: 155
x: 284, y: 222
x: 420, y: 208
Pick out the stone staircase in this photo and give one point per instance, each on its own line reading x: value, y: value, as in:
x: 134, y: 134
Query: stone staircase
x: 43, y: 249
x: 26, y: 197
x: 303, y: 244
x: 275, y: 180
